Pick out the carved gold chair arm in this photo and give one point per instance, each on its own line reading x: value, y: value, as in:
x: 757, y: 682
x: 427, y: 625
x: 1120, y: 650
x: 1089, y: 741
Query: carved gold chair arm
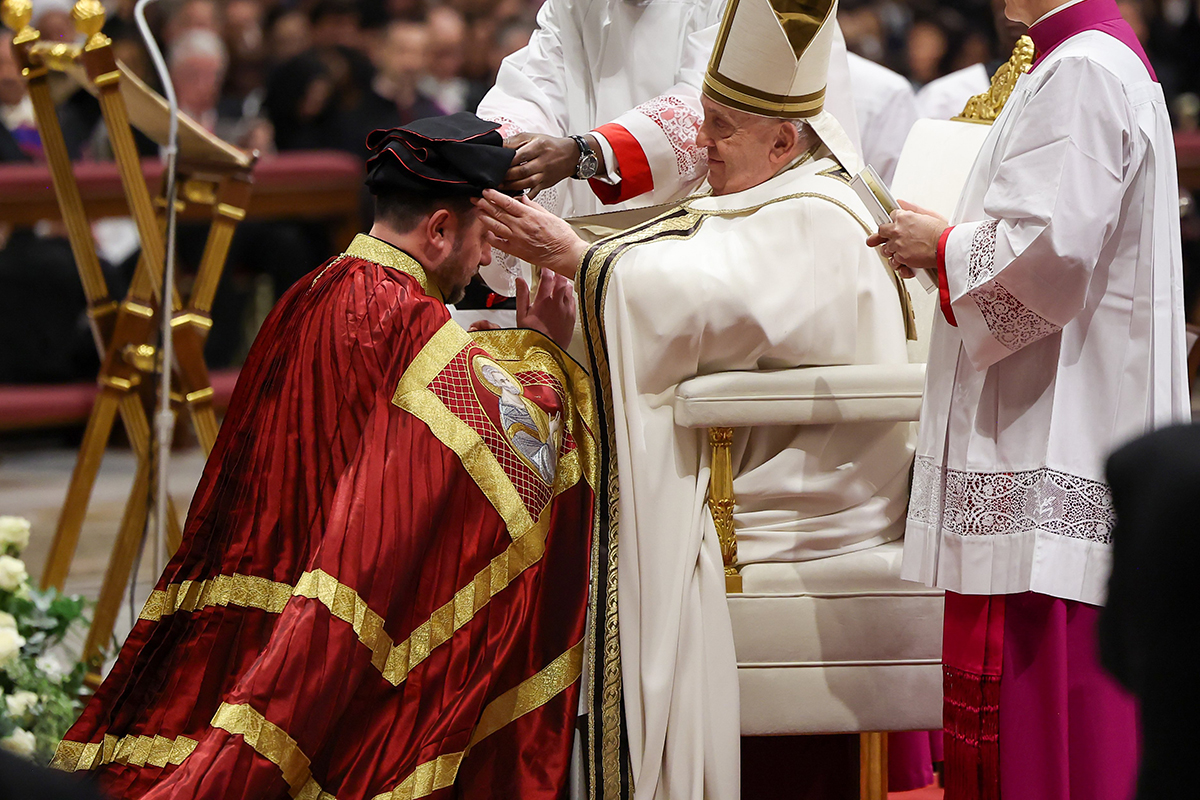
x: 720, y: 504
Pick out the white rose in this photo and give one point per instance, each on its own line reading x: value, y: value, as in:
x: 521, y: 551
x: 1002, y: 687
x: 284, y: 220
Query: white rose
x: 7, y: 621
x: 12, y: 573
x: 11, y: 643
x: 51, y: 667
x: 20, y: 742
x: 20, y: 703
x: 14, y: 531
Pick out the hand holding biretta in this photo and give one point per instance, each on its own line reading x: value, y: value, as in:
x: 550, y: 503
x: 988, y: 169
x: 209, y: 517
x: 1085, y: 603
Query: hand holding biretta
x: 458, y: 155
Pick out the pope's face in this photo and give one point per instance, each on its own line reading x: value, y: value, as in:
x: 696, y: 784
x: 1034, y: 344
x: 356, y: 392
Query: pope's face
x: 740, y: 147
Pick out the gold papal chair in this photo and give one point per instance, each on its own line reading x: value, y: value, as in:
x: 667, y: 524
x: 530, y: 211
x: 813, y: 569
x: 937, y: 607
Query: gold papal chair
x: 841, y: 645
x: 211, y: 173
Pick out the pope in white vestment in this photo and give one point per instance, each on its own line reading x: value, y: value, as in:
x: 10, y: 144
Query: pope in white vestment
x: 758, y: 279
x: 760, y: 273
x: 1062, y: 336
x: 627, y: 74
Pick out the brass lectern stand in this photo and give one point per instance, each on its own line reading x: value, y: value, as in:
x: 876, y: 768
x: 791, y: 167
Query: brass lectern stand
x: 211, y: 173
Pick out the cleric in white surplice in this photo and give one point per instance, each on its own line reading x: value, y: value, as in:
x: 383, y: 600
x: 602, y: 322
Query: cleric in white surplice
x: 1061, y: 337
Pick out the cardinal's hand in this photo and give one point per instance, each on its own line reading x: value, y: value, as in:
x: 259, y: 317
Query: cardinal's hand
x: 552, y: 309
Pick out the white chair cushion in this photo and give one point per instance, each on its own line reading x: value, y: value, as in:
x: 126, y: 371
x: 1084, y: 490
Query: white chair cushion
x: 802, y: 396
x: 837, y: 645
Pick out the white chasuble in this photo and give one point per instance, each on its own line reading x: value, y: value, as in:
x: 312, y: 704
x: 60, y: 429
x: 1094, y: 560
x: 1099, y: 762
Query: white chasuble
x: 1063, y: 273
x: 775, y: 276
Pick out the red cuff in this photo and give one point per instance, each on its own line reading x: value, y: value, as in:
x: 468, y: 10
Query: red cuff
x: 635, y: 168
x: 943, y: 287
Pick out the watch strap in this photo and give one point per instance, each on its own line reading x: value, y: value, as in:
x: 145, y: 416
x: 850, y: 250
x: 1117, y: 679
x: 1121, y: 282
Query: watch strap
x: 585, y: 150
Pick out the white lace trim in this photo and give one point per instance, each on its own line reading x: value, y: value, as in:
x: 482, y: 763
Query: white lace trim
x: 969, y: 503
x: 680, y: 124
x: 1012, y: 323
x: 508, y: 127
x: 981, y: 259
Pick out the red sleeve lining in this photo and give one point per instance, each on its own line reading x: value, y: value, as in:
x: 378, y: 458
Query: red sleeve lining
x: 635, y: 168
x: 943, y: 286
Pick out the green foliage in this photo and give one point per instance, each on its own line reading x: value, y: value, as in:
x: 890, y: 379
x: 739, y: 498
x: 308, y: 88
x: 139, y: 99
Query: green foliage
x: 59, y: 703
x: 40, y: 695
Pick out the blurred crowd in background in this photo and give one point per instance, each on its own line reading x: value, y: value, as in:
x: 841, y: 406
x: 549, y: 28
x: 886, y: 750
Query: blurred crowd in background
x: 278, y: 75
x: 925, y: 40
x: 284, y: 75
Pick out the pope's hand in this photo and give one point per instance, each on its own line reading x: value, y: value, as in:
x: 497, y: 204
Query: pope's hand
x: 910, y: 240
x: 541, y: 161
x: 522, y: 228
x: 551, y: 311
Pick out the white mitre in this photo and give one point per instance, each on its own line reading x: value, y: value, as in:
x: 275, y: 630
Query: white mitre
x: 772, y: 59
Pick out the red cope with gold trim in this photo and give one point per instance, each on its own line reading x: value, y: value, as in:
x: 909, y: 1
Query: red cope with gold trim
x: 383, y: 579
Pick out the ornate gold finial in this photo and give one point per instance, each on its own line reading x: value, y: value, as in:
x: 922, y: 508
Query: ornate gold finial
x: 89, y: 18
x: 987, y: 106
x: 60, y: 56
x: 16, y: 15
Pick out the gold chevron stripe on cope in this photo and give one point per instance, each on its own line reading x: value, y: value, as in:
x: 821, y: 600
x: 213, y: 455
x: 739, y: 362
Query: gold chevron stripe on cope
x: 274, y: 744
x: 246, y: 591
x: 157, y: 751
x: 426, y: 778
x: 530, y: 695
x: 395, y: 661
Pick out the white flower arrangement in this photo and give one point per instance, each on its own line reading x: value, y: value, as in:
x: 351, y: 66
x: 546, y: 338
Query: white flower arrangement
x: 14, y: 532
x: 39, y: 696
x: 12, y: 574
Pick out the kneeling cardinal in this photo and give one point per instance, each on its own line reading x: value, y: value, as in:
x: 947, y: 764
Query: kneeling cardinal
x: 383, y: 579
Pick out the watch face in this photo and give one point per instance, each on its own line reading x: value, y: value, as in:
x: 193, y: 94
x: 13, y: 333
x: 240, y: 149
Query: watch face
x: 587, y: 166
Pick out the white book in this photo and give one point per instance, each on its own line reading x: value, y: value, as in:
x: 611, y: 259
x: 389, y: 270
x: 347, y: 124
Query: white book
x: 874, y: 193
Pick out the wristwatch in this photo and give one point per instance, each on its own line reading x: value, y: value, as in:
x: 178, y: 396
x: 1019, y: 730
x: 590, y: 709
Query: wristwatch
x: 588, y: 163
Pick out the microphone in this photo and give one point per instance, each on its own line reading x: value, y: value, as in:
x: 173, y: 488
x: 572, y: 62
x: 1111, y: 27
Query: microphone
x: 164, y: 419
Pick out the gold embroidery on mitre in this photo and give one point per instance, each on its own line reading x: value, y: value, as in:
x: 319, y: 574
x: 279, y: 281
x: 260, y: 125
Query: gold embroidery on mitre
x: 778, y: 34
x: 986, y: 106
x: 801, y: 19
